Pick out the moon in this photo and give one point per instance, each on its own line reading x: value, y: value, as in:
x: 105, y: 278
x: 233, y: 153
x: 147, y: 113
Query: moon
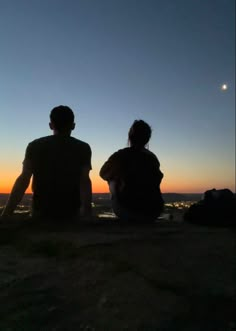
x: 224, y: 87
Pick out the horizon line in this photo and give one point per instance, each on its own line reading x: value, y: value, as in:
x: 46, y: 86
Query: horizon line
x: 28, y: 193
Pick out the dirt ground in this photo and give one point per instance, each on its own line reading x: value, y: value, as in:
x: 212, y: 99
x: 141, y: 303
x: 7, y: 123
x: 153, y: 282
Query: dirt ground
x: 105, y: 276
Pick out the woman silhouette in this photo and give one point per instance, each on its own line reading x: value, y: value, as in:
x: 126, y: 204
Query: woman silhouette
x: 134, y: 178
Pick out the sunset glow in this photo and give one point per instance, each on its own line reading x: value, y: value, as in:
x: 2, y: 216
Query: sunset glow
x: 112, y: 63
x: 170, y: 184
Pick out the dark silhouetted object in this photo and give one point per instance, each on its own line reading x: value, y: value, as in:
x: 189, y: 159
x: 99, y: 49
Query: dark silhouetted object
x: 60, y: 166
x: 134, y: 178
x: 217, y: 207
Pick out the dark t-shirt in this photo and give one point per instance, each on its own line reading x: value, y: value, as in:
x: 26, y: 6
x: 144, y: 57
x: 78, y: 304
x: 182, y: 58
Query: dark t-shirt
x: 137, y: 175
x: 56, y: 166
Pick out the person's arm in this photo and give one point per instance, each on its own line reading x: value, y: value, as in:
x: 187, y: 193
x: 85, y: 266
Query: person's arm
x: 159, y: 173
x: 111, y: 168
x: 85, y: 192
x: 106, y: 171
x: 160, y: 176
x: 18, y: 190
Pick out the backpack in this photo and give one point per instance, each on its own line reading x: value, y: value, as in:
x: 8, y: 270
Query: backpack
x: 217, y: 207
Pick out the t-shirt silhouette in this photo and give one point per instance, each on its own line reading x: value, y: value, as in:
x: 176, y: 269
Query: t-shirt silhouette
x: 138, y: 179
x: 56, y: 166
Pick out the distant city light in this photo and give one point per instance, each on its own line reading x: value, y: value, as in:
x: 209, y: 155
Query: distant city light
x: 224, y: 87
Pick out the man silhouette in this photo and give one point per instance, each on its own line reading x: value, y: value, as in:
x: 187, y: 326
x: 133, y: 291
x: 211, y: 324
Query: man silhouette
x: 59, y: 165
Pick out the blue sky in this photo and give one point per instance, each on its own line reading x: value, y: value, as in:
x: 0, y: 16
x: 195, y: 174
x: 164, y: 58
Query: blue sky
x: 114, y: 61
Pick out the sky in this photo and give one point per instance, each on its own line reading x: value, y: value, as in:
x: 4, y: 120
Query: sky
x: 114, y: 61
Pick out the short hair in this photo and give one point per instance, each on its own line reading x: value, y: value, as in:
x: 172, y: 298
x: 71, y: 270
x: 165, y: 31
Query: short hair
x: 62, y: 117
x: 139, y: 133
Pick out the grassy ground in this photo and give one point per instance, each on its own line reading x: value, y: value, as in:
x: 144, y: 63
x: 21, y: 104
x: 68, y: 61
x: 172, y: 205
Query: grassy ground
x: 110, y: 277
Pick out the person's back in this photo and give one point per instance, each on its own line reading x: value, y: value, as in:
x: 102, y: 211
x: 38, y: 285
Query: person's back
x: 59, y: 165
x: 139, y: 190
x: 57, y: 162
x: 134, y: 177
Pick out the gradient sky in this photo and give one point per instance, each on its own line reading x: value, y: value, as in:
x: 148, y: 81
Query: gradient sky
x: 114, y: 61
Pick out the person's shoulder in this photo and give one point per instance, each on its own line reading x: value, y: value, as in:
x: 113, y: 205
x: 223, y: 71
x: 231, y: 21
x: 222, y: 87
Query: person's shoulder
x: 120, y: 152
x: 125, y: 150
x: 40, y: 140
x: 151, y: 156
x: 150, y: 153
x: 80, y: 143
x: 138, y: 152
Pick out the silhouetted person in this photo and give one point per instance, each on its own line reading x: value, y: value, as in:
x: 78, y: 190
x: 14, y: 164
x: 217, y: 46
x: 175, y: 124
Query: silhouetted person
x: 134, y: 178
x: 60, y: 166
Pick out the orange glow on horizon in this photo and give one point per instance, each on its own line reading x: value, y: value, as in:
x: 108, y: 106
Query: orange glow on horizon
x: 101, y: 186
x: 98, y: 186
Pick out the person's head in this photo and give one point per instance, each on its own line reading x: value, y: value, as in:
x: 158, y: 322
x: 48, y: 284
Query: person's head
x: 62, y: 120
x: 139, y: 134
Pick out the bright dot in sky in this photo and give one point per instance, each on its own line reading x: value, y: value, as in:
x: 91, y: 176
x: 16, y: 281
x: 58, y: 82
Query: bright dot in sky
x: 224, y: 87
